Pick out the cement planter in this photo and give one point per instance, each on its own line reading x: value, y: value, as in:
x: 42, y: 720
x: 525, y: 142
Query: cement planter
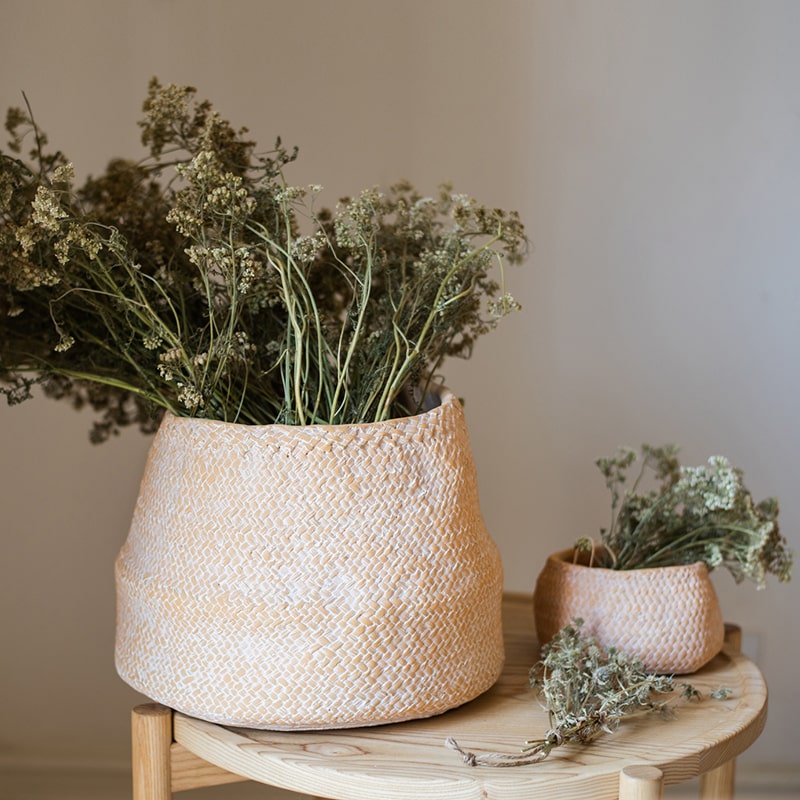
x: 669, y: 617
x: 310, y: 577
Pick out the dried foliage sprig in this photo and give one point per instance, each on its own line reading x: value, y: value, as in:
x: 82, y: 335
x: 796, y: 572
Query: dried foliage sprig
x: 587, y: 692
x: 198, y: 280
x: 703, y: 513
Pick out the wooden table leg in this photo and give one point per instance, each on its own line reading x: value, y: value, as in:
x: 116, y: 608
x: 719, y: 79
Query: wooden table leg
x: 151, y: 739
x: 641, y: 782
x: 719, y: 783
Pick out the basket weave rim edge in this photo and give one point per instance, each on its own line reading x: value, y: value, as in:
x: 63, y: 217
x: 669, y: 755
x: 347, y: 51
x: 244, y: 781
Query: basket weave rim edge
x: 447, y: 400
x: 564, y: 558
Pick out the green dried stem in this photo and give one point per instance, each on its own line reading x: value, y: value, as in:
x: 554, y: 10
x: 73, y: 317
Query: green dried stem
x: 199, y: 281
x: 692, y: 514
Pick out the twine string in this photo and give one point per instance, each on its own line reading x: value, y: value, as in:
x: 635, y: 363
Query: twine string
x: 532, y: 756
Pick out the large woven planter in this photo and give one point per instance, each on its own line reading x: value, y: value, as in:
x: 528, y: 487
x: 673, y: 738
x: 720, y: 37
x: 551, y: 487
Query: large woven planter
x: 310, y: 577
x: 669, y: 617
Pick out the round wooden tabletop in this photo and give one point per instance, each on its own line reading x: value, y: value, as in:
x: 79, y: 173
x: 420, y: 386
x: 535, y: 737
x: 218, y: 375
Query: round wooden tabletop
x: 410, y: 759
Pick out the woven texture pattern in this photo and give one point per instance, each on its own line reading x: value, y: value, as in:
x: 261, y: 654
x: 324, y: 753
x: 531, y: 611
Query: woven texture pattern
x: 310, y: 577
x: 668, y: 617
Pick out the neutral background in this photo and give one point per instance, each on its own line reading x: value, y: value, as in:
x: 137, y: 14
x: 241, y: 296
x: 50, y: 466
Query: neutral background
x: 653, y: 148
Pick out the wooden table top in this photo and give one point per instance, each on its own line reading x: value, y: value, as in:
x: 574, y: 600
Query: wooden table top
x: 410, y: 759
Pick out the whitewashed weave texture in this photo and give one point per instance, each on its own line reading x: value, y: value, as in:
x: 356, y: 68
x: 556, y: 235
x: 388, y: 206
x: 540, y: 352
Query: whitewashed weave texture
x: 310, y: 577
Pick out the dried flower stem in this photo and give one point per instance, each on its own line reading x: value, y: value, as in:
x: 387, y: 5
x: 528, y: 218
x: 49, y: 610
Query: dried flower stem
x: 196, y: 292
x: 703, y: 513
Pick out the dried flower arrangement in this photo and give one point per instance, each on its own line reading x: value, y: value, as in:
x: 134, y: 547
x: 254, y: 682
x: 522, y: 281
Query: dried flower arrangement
x: 694, y: 514
x: 588, y: 692
x: 198, y: 281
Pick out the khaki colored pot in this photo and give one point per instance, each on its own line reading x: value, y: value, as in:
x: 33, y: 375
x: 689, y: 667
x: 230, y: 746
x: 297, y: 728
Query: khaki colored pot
x: 669, y: 617
x: 310, y: 577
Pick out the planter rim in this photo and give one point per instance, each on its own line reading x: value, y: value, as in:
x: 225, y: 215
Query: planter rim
x: 442, y: 394
x: 565, y: 557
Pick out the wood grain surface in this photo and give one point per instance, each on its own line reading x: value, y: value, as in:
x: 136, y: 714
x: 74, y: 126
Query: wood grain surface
x: 410, y: 760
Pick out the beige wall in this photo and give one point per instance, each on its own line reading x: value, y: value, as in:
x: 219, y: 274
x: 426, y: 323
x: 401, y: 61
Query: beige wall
x: 652, y: 147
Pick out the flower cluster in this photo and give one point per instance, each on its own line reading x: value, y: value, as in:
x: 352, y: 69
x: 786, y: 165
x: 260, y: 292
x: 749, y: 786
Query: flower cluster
x: 703, y: 513
x: 198, y: 281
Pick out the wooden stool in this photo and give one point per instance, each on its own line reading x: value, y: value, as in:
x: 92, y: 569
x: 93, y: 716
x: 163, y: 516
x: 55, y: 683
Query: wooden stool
x: 173, y: 752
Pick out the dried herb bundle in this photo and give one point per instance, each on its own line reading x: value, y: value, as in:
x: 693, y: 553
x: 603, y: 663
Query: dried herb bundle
x: 587, y: 692
x: 199, y: 281
x: 703, y: 513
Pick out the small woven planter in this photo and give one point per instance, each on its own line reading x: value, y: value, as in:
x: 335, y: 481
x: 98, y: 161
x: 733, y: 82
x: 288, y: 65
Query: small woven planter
x: 310, y: 577
x: 669, y: 617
